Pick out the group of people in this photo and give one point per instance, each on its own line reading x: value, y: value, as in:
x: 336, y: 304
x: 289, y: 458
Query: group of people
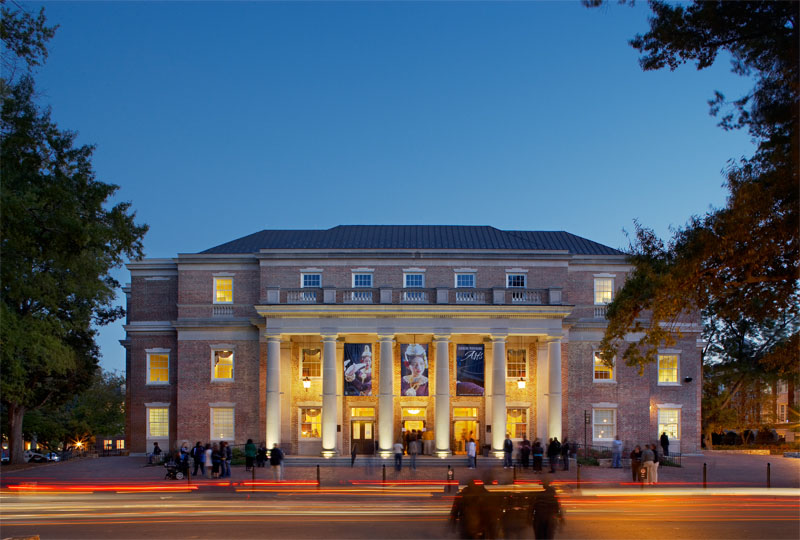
x: 554, y: 450
x: 644, y: 462
x: 213, y: 460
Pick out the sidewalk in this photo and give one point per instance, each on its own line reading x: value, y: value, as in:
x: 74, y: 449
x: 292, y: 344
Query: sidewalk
x: 722, y: 470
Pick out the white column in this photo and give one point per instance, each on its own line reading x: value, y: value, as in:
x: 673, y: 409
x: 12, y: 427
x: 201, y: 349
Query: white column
x: 441, y: 423
x: 385, y: 396
x: 273, y: 435
x: 542, y: 382
x: 498, y: 393
x: 329, y: 395
x: 554, y: 389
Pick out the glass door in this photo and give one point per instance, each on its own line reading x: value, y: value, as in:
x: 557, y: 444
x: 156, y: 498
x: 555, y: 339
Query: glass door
x: 363, y: 436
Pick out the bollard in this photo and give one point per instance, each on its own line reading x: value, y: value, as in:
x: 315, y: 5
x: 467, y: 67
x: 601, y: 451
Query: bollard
x: 514, y: 477
x: 253, y: 471
x: 579, y: 475
x: 318, y: 482
x: 384, y: 473
x: 768, y: 478
x: 450, y: 477
x: 704, y: 476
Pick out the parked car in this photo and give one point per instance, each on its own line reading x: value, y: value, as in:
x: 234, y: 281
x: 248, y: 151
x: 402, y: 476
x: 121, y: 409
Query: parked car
x: 52, y: 456
x: 34, y: 457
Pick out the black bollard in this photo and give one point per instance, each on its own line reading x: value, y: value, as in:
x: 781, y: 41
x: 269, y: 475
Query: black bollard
x: 384, y: 474
x: 579, y: 475
x: 253, y: 471
x: 318, y: 482
x: 450, y: 477
x: 514, y: 477
x: 768, y: 478
x: 704, y: 476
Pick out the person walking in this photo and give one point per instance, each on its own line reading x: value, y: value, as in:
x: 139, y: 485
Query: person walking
x: 249, y: 454
x: 207, y: 460
x: 565, y: 449
x: 546, y: 512
x: 276, y: 460
x: 665, y: 443
x: 199, y: 456
x: 636, y: 463
x: 398, y: 456
x: 508, y: 449
x: 616, y: 453
x: 648, y: 461
x: 413, y: 450
x: 471, y: 454
x: 538, y: 452
x: 553, y: 451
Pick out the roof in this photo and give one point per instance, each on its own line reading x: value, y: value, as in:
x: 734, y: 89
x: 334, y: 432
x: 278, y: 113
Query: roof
x: 413, y: 237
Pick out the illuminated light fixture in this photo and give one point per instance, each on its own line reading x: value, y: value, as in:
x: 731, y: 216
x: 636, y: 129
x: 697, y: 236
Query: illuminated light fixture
x: 413, y: 412
x: 521, y: 383
x: 306, y: 383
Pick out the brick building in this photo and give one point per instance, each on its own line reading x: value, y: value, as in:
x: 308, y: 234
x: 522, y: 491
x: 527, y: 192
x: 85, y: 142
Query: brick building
x: 321, y: 339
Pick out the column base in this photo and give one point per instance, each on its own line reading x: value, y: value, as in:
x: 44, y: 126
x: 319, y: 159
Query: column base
x: 327, y: 454
x: 443, y: 453
x: 499, y: 454
x: 385, y: 454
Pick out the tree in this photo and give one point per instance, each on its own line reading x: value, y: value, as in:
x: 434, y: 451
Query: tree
x: 740, y: 261
x: 60, y: 240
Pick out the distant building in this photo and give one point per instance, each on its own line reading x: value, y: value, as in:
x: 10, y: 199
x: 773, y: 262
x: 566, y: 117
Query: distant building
x: 319, y: 340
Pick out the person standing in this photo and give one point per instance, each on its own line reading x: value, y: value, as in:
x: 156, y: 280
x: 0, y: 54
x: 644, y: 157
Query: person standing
x: 636, y: 463
x: 208, y: 453
x: 398, y: 456
x: 471, y: 454
x: 538, y: 452
x: 525, y: 452
x: 553, y: 451
x: 216, y: 459
x: 648, y: 461
x: 276, y: 460
x: 508, y: 449
x: 261, y: 456
x: 199, y: 456
x: 665, y: 443
x: 616, y: 453
x: 413, y: 450
x: 249, y: 454
x: 155, y: 457
x: 655, y: 463
x: 565, y: 449
x: 227, y: 458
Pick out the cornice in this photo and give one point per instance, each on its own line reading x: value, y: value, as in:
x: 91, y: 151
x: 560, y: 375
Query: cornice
x: 372, y: 311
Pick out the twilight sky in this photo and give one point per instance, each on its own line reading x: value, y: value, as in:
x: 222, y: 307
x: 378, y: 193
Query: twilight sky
x: 221, y: 119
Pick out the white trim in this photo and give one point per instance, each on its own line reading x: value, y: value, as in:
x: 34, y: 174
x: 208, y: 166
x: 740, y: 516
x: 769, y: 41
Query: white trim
x: 304, y: 273
x: 677, y: 369
x: 516, y: 270
x: 149, y: 437
x: 216, y: 348
x: 300, y: 438
x: 158, y: 278
x: 413, y: 270
x: 148, y: 353
x: 362, y: 270
x: 605, y: 405
x: 156, y: 404
x: 211, y: 425
x: 222, y: 405
x: 594, y: 289
x: 311, y: 270
x: 465, y: 270
x: 670, y: 351
x: 472, y: 273
x: 669, y: 406
x: 405, y: 276
x: 613, y: 379
x: 214, y: 291
x: 223, y: 274
x: 605, y: 275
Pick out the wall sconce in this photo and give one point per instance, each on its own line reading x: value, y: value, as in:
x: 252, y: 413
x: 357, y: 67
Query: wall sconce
x: 306, y: 383
x: 521, y: 383
x: 687, y: 379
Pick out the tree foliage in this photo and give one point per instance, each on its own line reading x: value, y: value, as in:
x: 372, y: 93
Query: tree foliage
x: 60, y: 239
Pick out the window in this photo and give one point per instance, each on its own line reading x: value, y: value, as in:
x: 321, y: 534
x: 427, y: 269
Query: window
x: 515, y: 280
x: 120, y: 444
x: 108, y: 444
x: 465, y: 412
x: 465, y: 281
x: 223, y: 365
x: 667, y: 369
x: 783, y: 387
x: 516, y: 365
x: 310, y: 423
x: 158, y: 422
x: 157, y: 366
x: 782, y: 412
x: 604, y: 423
x: 603, y: 290
x: 669, y: 422
x: 223, y: 290
x: 362, y: 412
x: 222, y: 424
x: 312, y: 280
x: 602, y: 372
x: 517, y: 423
x: 362, y: 280
x: 312, y: 363
x: 414, y: 280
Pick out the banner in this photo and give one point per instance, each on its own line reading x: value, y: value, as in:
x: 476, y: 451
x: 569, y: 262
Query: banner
x: 357, y: 369
x: 414, y: 371
x: 469, y: 370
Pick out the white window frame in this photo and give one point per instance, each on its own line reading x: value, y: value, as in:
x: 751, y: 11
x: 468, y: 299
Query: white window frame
x: 669, y: 407
x: 217, y: 348
x: 677, y: 356
x: 510, y: 275
x: 613, y: 378
x: 300, y: 410
x: 303, y: 361
x: 233, y: 288
x: 465, y: 274
x: 363, y: 273
x: 513, y: 377
x: 212, y: 426
x: 148, y: 407
x: 407, y: 275
x: 150, y: 352
x: 604, y: 407
x: 304, y: 275
x: 597, y: 279
x: 527, y: 413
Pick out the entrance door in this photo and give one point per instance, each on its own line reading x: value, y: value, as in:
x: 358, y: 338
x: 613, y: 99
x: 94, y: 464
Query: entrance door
x: 463, y: 431
x: 362, y: 435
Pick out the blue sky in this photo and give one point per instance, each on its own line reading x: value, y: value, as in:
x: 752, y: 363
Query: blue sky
x: 221, y: 119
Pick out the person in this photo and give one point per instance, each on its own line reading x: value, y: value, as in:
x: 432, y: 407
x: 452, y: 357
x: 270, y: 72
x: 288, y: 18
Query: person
x: 553, y: 451
x: 353, y: 454
x: 358, y: 376
x: 427, y: 441
x: 636, y: 462
x: 416, y: 362
x: 546, y: 512
x: 525, y: 452
x: 471, y: 454
x: 398, y: 456
x: 249, y: 454
x: 261, y: 456
x: 648, y: 461
x: 616, y: 453
x: 655, y: 463
x: 276, y: 460
x: 155, y: 457
x: 665, y: 443
x: 227, y: 458
x: 413, y: 450
x: 469, y: 512
x: 183, y: 464
x: 508, y: 449
x: 199, y: 456
x: 208, y: 453
x: 216, y: 459
x: 538, y: 452
x: 565, y: 449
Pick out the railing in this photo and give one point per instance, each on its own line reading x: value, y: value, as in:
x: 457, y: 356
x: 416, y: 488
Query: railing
x: 414, y: 297
x: 357, y: 296
x: 600, y: 312
x: 303, y: 296
x: 222, y: 311
x: 470, y: 296
x: 526, y: 296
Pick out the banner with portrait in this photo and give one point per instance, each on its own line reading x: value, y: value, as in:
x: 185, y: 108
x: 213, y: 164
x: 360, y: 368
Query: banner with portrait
x: 469, y: 370
x: 414, y: 369
x: 357, y: 369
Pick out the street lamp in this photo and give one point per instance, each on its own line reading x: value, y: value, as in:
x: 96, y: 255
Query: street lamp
x: 521, y: 383
x: 306, y: 383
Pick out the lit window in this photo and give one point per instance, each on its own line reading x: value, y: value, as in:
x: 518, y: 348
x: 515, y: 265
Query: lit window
x: 603, y: 290
x: 414, y: 280
x: 312, y: 363
x: 120, y: 444
x: 669, y: 422
x: 515, y: 280
x: 310, y: 423
x: 223, y: 365
x: 366, y: 412
x: 158, y: 422
x: 223, y: 290
x: 312, y: 280
x: 222, y: 423
x: 414, y: 412
x: 465, y: 412
x: 157, y: 368
x: 362, y: 280
x: 516, y: 365
x: 604, y: 424
x: 108, y: 444
x: 517, y: 423
x: 602, y: 372
x: 667, y: 369
x: 465, y: 281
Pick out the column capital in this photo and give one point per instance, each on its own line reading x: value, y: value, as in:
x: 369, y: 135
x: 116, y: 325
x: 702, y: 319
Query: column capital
x: 272, y: 336
x: 383, y: 338
x: 498, y: 337
x: 441, y: 337
x: 553, y: 339
x: 328, y: 337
